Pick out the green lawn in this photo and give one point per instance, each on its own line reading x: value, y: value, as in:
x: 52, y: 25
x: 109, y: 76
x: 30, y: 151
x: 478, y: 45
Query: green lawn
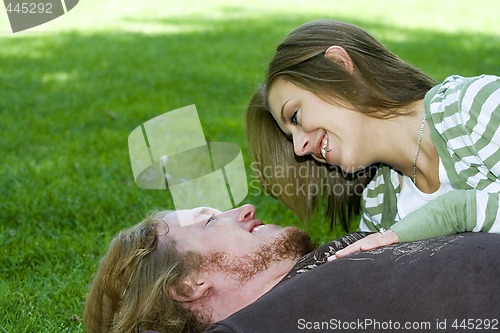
x: 73, y: 89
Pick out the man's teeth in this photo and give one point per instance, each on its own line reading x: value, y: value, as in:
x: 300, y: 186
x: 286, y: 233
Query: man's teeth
x: 257, y: 228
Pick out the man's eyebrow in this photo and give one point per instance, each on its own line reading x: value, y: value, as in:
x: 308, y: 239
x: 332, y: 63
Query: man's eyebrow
x: 204, y: 211
x: 194, y: 217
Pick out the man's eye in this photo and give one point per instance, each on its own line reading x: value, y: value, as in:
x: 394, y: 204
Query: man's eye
x: 293, y: 117
x: 212, y: 218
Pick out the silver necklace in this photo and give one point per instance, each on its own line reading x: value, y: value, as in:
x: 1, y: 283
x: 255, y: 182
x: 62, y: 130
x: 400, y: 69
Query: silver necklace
x: 417, y: 150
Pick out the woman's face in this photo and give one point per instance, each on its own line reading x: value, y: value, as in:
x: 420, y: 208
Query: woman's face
x: 330, y: 133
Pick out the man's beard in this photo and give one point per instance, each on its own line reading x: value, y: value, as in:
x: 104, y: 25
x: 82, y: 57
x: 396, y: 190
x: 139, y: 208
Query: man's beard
x: 292, y: 244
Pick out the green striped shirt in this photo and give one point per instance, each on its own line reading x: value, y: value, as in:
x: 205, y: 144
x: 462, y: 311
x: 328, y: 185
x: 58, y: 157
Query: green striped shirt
x: 464, y: 117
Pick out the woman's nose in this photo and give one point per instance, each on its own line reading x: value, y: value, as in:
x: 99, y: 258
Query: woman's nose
x: 302, y: 144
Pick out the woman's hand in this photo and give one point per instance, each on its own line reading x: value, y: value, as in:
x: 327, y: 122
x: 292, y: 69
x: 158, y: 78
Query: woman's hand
x: 370, y: 242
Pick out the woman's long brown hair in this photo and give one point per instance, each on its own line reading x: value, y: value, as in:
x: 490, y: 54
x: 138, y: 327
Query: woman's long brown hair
x: 382, y: 86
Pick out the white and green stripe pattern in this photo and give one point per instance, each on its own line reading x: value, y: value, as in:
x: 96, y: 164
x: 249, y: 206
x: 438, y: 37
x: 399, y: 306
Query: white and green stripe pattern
x: 464, y: 117
x: 372, y: 200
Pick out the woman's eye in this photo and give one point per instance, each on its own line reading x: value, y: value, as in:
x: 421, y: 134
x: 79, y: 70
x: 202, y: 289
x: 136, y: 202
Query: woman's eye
x: 293, y: 117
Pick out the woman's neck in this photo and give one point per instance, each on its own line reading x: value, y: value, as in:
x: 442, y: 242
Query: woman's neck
x: 408, y: 137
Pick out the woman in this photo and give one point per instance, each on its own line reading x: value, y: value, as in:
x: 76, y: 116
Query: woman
x: 335, y: 95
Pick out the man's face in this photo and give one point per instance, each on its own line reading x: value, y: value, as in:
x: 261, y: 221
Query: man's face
x: 233, y: 241
x: 206, y: 230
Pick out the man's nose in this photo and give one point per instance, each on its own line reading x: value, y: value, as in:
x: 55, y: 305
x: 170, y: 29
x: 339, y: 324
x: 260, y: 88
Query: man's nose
x: 246, y: 213
x: 242, y: 214
x: 302, y: 144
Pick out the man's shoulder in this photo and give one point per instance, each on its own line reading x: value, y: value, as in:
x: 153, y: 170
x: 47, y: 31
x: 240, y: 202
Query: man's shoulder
x: 429, y: 280
x: 321, y: 254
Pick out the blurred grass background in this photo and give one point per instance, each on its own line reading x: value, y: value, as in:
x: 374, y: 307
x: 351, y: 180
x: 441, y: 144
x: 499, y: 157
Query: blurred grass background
x: 73, y: 89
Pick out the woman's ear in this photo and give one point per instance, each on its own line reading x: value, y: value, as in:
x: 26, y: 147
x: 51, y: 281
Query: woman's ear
x: 190, y: 290
x: 340, y: 56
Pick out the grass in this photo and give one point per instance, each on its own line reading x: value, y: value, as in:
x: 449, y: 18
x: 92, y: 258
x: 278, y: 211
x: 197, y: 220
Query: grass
x: 73, y: 89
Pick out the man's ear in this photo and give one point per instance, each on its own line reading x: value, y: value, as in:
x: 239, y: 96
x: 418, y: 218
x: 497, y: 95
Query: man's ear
x: 190, y: 290
x: 340, y: 56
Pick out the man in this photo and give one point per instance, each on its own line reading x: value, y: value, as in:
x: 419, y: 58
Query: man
x: 182, y: 271
x: 198, y: 266
x: 242, y: 258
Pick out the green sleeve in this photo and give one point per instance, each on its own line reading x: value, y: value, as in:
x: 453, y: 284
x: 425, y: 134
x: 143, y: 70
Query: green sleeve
x: 451, y: 213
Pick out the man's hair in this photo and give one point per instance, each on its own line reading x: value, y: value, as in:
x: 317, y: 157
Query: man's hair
x: 130, y: 291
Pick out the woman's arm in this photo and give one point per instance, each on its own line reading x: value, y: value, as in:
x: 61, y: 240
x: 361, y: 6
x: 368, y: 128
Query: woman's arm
x: 454, y: 212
